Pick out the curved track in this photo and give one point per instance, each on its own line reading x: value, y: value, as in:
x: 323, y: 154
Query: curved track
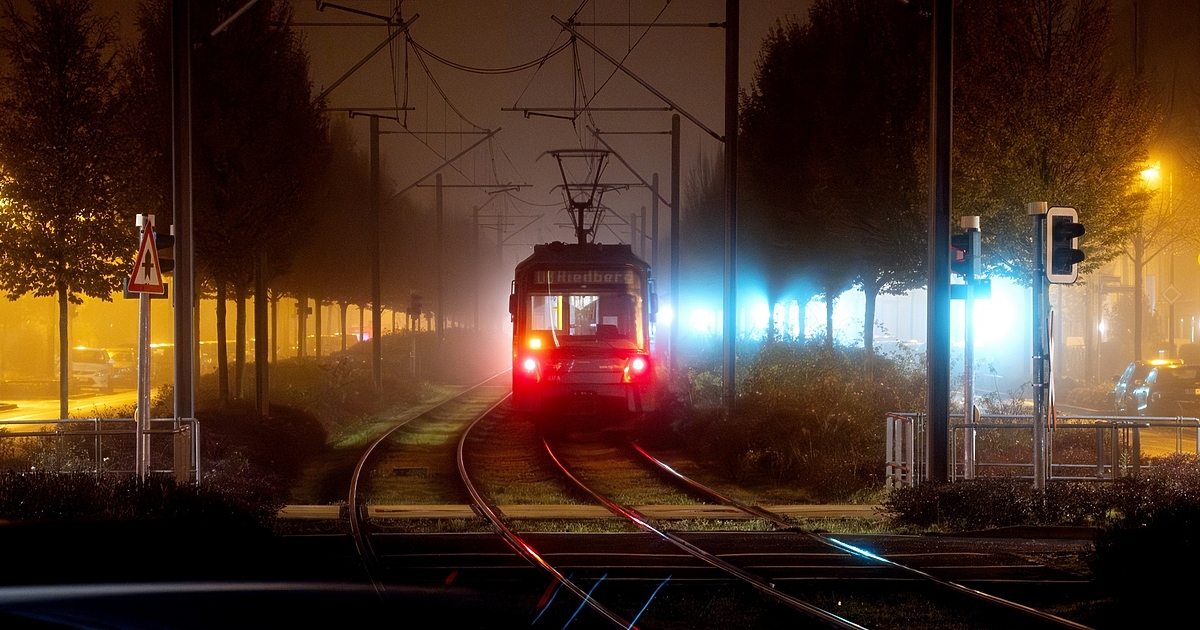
x: 519, y: 544
x: 758, y: 582
x: 361, y: 541
x: 781, y: 522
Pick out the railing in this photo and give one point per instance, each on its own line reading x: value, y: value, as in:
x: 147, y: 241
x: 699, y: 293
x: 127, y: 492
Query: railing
x: 101, y: 446
x: 1003, y: 446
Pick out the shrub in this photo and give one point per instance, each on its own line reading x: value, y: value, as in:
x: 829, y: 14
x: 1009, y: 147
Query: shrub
x: 806, y: 415
x: 75, y: 496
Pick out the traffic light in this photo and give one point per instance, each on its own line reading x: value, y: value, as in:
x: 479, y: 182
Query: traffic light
x: 1063, y: 255
x: 163, y: 243
x: 964, y: 254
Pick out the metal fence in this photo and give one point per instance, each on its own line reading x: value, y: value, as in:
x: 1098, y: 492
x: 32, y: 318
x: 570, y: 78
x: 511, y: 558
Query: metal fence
x: 101, y: 445
x: 999, y: 445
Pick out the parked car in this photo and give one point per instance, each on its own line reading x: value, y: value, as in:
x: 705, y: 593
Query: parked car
x: 1168, y: 390
x: 92, y: 367
x: 1133, y: 376
x: 124, y: 366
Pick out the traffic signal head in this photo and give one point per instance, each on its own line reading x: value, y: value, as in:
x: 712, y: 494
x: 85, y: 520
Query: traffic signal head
x: 1063, y: 255
x: 964, y: 254
x: 163, y: 243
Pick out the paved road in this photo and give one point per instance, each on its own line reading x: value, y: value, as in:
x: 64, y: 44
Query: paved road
x: 82, y: 405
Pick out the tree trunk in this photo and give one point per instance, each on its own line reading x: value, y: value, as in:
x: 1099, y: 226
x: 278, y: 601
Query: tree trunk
x: 64, y: 354
x: 770, y: 332
x: 274, y: 329
x: 262, y: 390
x: 239, y: 369
x: 343, y: 306
x: 1139, y: 268
x: 318, y: 325
x: 301, y: 325
x: 361, y: 322
x: 871, y: 294
x: 829, y: 297
x: 802, y: 317
x: 222, y: 351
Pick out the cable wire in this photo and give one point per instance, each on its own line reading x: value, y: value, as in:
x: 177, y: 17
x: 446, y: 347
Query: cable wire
x: 490, y: 71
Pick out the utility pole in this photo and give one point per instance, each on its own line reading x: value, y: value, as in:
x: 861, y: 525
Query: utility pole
x: 729, y: 339
x: 673, y: 345
x: 1040, y: 347
x: 938, y: 319
x: 373, y: 223
x: 185, y: 278
x: 441, y: 308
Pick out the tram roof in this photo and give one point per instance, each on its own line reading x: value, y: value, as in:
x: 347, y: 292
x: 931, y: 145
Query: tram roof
x: 582, y: 255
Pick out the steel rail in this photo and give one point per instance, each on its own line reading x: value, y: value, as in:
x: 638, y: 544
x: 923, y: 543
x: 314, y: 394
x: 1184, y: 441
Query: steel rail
x: 523, y: 548
x: 781, y: 522
x: 756, y: 581
x: 361, y: 542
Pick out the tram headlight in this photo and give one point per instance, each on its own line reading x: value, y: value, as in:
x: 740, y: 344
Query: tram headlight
x: 637, y: 369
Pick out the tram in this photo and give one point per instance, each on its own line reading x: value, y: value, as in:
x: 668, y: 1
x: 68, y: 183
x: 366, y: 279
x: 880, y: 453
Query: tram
x: 582, y: 318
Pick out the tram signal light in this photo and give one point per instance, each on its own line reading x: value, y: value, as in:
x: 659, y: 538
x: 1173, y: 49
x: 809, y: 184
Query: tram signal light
x: 1063, y: 255
x: 964, y: 254
x: 163, y: 243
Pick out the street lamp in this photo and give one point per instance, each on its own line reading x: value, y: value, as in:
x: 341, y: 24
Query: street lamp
x: 1152, y: 176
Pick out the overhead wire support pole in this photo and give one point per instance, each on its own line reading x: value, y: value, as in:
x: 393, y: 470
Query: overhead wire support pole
x: 444, y: 164
x: 596, y: 133
x: 400, y: 30
x: 589, y: 108
x: 615, y: 62
x: 321, y: 6
x: 937, y: 371
x: 374, y: 224
x: 182, y: 216
x: 729, y: 342
x: 653, y: 24
x: 354, y: 110
x: 237, y: 14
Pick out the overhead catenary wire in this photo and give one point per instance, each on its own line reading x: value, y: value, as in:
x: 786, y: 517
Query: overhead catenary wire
x: 489, y: 71
x: 438, y: 87
x: 629, y: 50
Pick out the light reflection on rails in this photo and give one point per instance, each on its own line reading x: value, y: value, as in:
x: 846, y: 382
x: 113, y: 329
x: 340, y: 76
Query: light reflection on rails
x: 781, y: 523
x: 519, y: 544
x: 756, y: 581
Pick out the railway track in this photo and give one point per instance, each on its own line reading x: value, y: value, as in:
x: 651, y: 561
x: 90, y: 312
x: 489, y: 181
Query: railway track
x: 437, y: 450
x: 446, y: 418
x: 867, y: 565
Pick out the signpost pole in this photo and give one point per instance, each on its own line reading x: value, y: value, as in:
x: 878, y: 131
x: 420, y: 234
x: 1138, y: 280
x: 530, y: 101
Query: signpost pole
x: 142, y: 413
x: 1041, y: 375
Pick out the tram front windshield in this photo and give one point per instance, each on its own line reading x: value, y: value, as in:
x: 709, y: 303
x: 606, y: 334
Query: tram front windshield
x: 582, y: 315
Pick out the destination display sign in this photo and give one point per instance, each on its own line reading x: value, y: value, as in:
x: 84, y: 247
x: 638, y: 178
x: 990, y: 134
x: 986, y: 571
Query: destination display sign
x: 623, y: 277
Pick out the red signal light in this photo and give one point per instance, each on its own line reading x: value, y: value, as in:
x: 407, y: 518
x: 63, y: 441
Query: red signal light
x: 637, y: 368
x: 532, y: 369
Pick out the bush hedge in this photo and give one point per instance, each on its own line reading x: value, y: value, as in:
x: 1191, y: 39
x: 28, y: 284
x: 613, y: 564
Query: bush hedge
x: 806, y: 415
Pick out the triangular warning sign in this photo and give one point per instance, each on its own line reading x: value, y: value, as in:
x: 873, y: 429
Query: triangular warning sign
x: 147, y: 276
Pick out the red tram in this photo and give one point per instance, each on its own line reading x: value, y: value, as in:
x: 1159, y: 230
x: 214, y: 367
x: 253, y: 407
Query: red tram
x: 582, y: 318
